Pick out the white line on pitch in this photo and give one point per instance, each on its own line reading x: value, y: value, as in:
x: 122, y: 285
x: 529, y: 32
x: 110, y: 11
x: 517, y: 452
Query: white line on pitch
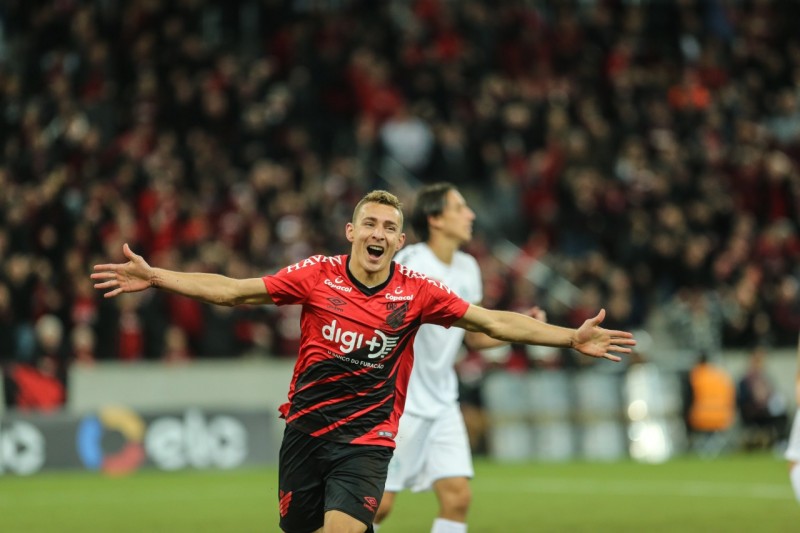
x: 656, y: 488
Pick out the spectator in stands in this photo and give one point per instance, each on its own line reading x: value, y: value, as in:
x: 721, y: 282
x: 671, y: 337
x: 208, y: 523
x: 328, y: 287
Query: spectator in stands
x: 134, y: 122
x: 39, y: 384
x: 710, y: 406
x: 7, y: 325
x: 83, y: 343
x: 761, y: 407
x: 695, y: 320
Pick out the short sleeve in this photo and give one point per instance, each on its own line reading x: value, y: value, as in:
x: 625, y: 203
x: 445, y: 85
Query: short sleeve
x: 292, y: 285
x: 441, y: 305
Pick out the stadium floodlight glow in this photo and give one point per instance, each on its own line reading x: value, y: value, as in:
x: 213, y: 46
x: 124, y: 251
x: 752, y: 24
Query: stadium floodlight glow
x: 648, y: 442
x: 637, y: 410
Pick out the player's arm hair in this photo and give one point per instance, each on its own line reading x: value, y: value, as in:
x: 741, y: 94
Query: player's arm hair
x: 212, y: 288
x: 137, y: 275
x: 476, y: 340
x: 508, y: 326
x: 589, y: 338
x: 481, y: 341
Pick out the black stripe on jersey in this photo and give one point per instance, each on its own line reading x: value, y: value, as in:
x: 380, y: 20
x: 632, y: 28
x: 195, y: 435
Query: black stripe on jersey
x: 369, y: 291
x: 330, y: 393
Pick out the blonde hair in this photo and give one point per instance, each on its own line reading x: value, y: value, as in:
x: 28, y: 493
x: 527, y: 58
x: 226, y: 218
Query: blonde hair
x: 380, y: 197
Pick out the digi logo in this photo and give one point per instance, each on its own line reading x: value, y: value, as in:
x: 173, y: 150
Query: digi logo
x: 378, y: 345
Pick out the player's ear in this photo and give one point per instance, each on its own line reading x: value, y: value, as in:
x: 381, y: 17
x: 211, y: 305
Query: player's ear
x: 400, y: 242
x: 348, y: 231
x: 433, y: 221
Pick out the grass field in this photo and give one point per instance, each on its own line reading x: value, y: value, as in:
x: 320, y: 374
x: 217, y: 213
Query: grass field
x: 731, y: 494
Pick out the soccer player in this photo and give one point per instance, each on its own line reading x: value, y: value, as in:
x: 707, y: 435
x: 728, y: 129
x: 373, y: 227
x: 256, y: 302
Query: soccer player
x: 360, y: 314
x: 433, y: 450
x: 793, y: 448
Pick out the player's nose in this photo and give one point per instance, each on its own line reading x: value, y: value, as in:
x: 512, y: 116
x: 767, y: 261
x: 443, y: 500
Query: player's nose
x: 378, y: 233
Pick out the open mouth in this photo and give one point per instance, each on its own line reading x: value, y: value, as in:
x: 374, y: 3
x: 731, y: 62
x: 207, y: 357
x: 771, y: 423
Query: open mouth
x: 375, y: 251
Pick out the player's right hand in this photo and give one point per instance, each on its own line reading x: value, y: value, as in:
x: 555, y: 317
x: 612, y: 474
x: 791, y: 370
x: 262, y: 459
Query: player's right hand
x: 133, y: 276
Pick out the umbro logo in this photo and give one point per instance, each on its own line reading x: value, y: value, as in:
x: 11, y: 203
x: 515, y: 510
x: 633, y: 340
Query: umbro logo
x: 371, y: 503
x: 336, y: 304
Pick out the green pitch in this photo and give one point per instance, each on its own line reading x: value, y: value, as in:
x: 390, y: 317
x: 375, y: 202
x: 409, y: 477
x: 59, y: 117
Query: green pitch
x: 737, y: 493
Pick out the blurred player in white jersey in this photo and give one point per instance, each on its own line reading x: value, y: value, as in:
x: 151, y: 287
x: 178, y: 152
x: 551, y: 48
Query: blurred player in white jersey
x: 433, y: 450
x: 793, y: 449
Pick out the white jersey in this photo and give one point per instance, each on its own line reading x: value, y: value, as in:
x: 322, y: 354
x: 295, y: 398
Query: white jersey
x: 793, y: 447
x: 433, y: 385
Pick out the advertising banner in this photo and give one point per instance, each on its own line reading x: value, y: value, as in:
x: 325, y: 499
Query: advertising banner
x: 118, y: 440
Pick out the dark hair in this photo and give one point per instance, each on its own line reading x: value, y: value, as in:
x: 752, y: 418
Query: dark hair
x: 430, y: 202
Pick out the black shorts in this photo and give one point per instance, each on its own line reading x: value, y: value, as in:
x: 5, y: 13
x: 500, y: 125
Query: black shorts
x: 317, y: 475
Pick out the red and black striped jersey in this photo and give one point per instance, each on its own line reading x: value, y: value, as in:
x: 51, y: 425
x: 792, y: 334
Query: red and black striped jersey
x: 356, y: 345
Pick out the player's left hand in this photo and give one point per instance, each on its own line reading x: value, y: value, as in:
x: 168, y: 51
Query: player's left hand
x: 592, y: 340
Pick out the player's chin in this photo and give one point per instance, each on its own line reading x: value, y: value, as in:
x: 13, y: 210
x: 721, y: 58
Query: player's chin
x: 375, y: 264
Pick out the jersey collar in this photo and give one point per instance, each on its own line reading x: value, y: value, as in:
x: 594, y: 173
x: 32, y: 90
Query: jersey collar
x: 369, y: 291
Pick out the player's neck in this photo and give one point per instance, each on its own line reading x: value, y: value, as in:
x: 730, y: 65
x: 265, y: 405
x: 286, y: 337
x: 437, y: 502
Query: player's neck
x: 443, y: 249
x: 370, y: 279
x: 366, y: 278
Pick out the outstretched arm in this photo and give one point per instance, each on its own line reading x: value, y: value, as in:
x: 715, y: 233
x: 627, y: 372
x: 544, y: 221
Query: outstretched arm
x: 136, y: 275
x: 589, y: 339
x: 476, y: 340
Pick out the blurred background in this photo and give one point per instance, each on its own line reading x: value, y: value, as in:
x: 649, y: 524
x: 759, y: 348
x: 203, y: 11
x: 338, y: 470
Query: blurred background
x: 638, y: 156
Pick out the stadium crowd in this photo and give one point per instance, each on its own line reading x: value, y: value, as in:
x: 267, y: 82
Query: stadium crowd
x: 646, y: 151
